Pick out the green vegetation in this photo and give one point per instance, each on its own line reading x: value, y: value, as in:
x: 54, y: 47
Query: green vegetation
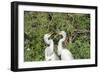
x: 36, y: 24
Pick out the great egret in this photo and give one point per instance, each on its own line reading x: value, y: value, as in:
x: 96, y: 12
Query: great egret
x: 49, y: 51
x: 64, y: 53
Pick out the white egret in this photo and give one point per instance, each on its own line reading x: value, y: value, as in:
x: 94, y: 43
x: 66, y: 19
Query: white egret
x: 49, y: 51
x: 64, y: 53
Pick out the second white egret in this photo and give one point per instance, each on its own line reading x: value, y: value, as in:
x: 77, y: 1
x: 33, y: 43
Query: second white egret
x: 64, y: 53
x: 49, y: 51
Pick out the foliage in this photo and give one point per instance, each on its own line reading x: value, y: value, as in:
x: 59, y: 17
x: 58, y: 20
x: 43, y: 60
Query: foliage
x: 36, y: 24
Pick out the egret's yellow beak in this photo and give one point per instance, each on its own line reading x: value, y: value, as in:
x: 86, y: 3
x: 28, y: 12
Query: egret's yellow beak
x: 50, y: 33
x: 58, y: 33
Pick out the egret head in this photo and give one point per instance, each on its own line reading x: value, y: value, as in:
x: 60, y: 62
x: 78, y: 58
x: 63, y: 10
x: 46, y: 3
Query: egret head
x: 63, y: 33
x: 46, y: 37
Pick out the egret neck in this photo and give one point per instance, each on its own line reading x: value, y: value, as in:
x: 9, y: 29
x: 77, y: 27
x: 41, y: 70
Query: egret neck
x: 47, y: 41
x: 60, y: 44
x: 51, y: 44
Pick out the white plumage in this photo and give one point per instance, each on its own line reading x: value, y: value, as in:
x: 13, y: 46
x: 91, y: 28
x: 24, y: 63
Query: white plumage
x: 49, y: 51
x: 64, y: 53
